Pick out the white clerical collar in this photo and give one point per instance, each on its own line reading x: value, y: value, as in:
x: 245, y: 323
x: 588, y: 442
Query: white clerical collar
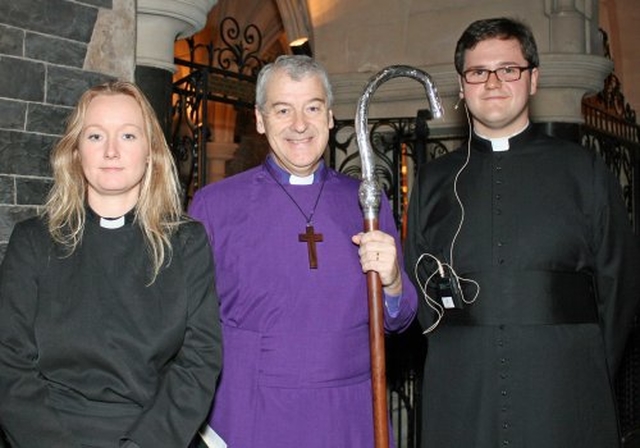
x: 285, y: 177
x: 112, y: 223
x: 500, y: 144
x: 297, y: 180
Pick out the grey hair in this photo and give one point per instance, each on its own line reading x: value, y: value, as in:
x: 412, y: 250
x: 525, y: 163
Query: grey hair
x: 296, y: 67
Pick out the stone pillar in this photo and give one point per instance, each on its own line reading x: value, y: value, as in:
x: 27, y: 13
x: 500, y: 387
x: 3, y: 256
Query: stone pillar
x: 573, y: 66
x: 160, y: 23
x: 570, y: 25
x: 296, y: 22
x: 110, y: 50
x: 564, y: 80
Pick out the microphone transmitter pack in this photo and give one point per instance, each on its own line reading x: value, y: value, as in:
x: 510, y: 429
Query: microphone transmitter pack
x: 449, y: 291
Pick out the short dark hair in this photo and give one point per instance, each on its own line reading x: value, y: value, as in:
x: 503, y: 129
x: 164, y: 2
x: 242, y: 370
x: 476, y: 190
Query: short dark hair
x: 501, y: 28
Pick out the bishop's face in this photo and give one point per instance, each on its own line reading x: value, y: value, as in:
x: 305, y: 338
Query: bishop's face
x: 498, y: 108
x: 296, y: 121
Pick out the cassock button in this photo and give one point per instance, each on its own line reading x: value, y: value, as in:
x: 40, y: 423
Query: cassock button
x: 503, y: 393
x: 498, y: 197
x: 498, y: 211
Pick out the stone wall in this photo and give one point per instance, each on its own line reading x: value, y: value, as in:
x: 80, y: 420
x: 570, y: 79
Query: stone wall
x: 50, y: 52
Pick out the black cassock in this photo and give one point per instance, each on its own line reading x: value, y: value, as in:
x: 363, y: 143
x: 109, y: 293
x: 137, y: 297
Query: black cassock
x: 91, y: 354
x: 547, y: 238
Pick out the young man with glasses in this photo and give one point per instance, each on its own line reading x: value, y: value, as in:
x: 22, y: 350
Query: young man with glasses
x: 534, y: 231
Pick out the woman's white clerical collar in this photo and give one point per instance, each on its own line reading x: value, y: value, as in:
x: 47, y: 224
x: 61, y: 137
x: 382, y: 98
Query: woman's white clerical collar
x: 112, y: 223
x: 500, y: 144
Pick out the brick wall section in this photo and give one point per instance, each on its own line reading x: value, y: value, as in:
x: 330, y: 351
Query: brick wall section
x: 42, y: 50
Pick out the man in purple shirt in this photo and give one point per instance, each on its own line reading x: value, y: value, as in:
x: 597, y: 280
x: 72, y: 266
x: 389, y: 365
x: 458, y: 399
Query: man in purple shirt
x: 290, y: 269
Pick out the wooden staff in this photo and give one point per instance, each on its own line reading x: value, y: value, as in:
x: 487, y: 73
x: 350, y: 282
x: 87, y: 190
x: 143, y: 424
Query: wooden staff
x: 370, y: 194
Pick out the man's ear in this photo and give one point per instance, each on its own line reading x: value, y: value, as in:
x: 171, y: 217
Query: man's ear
x: 259, y: 121
x: 331, y: 123
x: 533, y: 88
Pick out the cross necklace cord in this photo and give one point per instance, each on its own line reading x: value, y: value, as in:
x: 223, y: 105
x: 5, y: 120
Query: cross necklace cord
x: 309, y: 236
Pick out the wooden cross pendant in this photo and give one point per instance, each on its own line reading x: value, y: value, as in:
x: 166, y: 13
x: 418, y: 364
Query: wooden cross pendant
x: 311, y: 239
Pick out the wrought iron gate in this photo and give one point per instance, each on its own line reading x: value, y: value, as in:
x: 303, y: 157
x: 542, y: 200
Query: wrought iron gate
x: 611, y: 130
x: 223, y: 72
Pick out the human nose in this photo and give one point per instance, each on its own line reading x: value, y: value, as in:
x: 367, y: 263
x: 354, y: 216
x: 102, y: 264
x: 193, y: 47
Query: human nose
x: 299, y: 123
x: 493, y: 80
x: 111, y: 150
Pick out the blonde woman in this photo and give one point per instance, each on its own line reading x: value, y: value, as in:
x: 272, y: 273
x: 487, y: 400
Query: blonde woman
x: 109, y: 328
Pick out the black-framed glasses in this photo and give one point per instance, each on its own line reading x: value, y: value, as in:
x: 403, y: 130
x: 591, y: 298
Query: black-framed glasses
x: 504, y: 74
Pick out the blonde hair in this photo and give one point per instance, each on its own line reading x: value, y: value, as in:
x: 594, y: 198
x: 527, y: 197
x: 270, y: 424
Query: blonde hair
x: 158, y: 210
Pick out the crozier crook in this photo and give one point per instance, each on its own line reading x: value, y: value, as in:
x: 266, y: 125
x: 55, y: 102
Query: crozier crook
x: 369, y: 195
x: 369, y: 188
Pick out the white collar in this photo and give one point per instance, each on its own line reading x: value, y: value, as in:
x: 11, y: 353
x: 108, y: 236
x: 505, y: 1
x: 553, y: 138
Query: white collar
x: 297, y: 180
x: 500, y: 144
x: 112, y: 223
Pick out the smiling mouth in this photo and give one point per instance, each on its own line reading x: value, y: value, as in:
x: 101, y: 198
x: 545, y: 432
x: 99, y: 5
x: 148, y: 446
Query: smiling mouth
x: 298, y: 141
x: 498, y: 97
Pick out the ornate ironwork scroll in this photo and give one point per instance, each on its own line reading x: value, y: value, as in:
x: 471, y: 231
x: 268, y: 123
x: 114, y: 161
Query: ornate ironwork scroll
x: 223, y: 71
x: 386, y: 137
x: 611, y: 130
x: 392, y: 140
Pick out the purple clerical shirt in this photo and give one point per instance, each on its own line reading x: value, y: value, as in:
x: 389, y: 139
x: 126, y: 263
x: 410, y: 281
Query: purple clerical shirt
x: 296, y: 368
